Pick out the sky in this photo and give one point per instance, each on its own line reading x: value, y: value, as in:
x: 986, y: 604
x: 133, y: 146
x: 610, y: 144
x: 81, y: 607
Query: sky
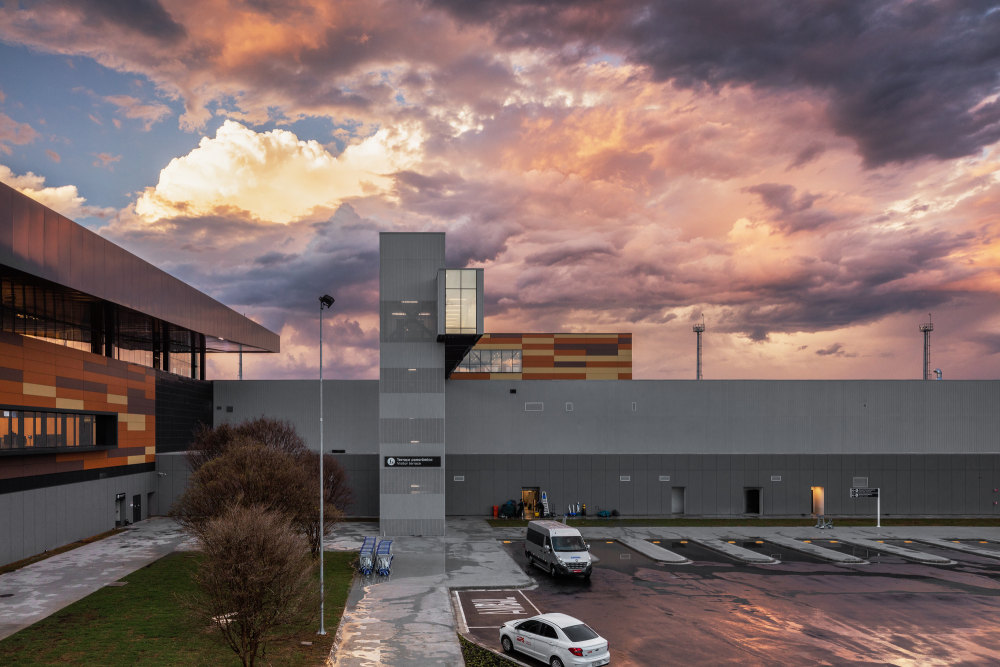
x: 813, y: 179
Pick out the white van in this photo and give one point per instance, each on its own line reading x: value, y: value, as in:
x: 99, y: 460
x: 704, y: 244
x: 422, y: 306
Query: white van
x: 557, y: 548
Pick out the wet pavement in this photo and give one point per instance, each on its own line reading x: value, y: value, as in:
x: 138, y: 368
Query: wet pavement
x: 721, y: 610
x: 654, y: 592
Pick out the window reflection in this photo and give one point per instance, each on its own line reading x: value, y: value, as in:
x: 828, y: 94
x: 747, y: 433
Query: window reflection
x: 491, y: 361
x: 460, y: 315
x: 29, y: 429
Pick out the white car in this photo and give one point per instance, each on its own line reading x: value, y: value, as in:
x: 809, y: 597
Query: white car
x: 557, y: 639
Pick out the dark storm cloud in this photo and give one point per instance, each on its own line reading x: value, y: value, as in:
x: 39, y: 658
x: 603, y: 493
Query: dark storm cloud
x: 807, y: 155
x: 904, y: 80
x: 835, y: 350
x: 572, y: 253
x: 144, y: 16
x: 793, y: 213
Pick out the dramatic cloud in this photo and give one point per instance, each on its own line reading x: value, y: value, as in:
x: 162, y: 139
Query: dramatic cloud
x: 273, y: 176
x: 812, y: 177
x: 63, y: 199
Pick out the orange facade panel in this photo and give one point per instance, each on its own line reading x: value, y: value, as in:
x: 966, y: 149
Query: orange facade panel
x: 40, y: 375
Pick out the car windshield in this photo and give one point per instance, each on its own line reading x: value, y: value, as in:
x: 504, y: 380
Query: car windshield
x: 572, y: 543
x: 580, y: 633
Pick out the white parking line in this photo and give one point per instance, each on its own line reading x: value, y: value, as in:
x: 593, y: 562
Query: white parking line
x: 493, y: 591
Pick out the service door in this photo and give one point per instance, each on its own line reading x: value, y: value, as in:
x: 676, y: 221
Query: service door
x: 677, y: 500
x: 818, y: 502
x: 136, y: 508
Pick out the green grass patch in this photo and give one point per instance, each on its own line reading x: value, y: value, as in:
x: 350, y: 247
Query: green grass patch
x: 776, y: 522
x: 146, y: 622
x: 476, y: 656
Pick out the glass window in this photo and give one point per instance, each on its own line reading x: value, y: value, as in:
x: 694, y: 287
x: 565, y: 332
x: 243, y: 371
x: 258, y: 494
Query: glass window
x: 491, y: 361
x: 461, y: 312
x: 22, y: 429
x: 580, y: 633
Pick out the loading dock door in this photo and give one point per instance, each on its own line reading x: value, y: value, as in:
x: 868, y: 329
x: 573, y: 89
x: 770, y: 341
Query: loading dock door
x: 818, y: 508
x: 752, y: 501
x: 677, y: 500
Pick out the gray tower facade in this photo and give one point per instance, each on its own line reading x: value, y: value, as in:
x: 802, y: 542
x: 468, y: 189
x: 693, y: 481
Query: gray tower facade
x: 411, y: 386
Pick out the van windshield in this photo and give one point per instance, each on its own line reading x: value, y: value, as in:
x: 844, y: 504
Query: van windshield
x: 570, y: 543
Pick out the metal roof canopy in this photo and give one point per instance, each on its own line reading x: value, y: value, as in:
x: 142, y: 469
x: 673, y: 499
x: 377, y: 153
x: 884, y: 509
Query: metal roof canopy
x: 65, y: 259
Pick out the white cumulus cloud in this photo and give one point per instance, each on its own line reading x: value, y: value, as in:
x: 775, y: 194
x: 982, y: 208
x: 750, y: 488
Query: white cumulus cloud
x: 64, y: 199
x: 274, y: 176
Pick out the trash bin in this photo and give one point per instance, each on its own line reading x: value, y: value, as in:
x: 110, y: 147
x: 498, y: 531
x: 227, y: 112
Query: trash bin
x: 496, y: 511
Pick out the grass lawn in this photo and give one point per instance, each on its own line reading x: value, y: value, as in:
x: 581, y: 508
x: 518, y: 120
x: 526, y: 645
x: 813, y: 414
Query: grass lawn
x: 679, y: 523
x: 145, y: 622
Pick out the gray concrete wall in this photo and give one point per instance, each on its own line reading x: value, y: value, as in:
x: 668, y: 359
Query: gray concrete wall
x: 724, y: 417
x: 43, y: 519
x: 911, y: 484
x: 350, y: 409
x: 172, y: 474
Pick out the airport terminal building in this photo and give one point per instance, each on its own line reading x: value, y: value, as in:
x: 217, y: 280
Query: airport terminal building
x: 102, y: 361
x: 102, y: 372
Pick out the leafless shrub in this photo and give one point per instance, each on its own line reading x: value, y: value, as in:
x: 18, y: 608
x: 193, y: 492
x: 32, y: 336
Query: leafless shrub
x: 253, y: 577
x: 247, y: 473
x: 274, y: 433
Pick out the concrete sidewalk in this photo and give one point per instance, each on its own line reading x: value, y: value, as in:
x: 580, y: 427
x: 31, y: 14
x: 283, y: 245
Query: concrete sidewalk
x: 30, y: 594
x: 407, y: 618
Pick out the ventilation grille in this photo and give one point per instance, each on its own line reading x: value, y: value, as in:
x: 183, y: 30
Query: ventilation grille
x: 859, y: 481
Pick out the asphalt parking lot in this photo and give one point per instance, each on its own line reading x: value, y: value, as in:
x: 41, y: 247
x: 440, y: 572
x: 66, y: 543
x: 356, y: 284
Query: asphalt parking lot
x: 716, y: 610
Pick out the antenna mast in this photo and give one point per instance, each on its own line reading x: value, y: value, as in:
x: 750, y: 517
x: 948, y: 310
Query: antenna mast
x: 699, y: 329
x: 927, y: 328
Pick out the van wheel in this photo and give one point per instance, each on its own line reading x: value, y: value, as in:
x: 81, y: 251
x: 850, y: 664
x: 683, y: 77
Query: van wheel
x: 552, y: 571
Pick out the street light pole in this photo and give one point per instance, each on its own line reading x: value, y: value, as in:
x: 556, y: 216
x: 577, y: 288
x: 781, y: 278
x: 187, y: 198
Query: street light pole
x: 325, y: 301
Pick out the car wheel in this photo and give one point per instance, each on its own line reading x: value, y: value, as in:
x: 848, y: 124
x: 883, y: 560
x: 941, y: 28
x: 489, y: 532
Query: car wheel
x: 556, y: 662
x: 508, y: 646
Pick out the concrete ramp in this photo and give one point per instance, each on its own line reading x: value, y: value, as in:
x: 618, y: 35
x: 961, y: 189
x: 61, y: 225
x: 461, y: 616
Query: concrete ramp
x: 735, y: 552
x: 909, y: 554
x: 958, y: 546
x: 653, y: 551
x: 815, y: 551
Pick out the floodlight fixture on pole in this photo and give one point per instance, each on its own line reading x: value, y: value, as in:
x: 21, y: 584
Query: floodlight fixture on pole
x: 927, y: 328
x: 699, y: 329
x: 325, y: 301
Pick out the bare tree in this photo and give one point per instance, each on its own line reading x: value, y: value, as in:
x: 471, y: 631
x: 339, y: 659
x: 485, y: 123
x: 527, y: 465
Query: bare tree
x: 337, y: 495
x: 247, y: 473
x: 253, y: 576
x: 274, y: 433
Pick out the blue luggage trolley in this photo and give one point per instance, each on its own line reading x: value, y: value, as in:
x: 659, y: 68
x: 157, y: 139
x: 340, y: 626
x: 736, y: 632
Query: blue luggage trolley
x: 383, y: 558
x: 366, y: 561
